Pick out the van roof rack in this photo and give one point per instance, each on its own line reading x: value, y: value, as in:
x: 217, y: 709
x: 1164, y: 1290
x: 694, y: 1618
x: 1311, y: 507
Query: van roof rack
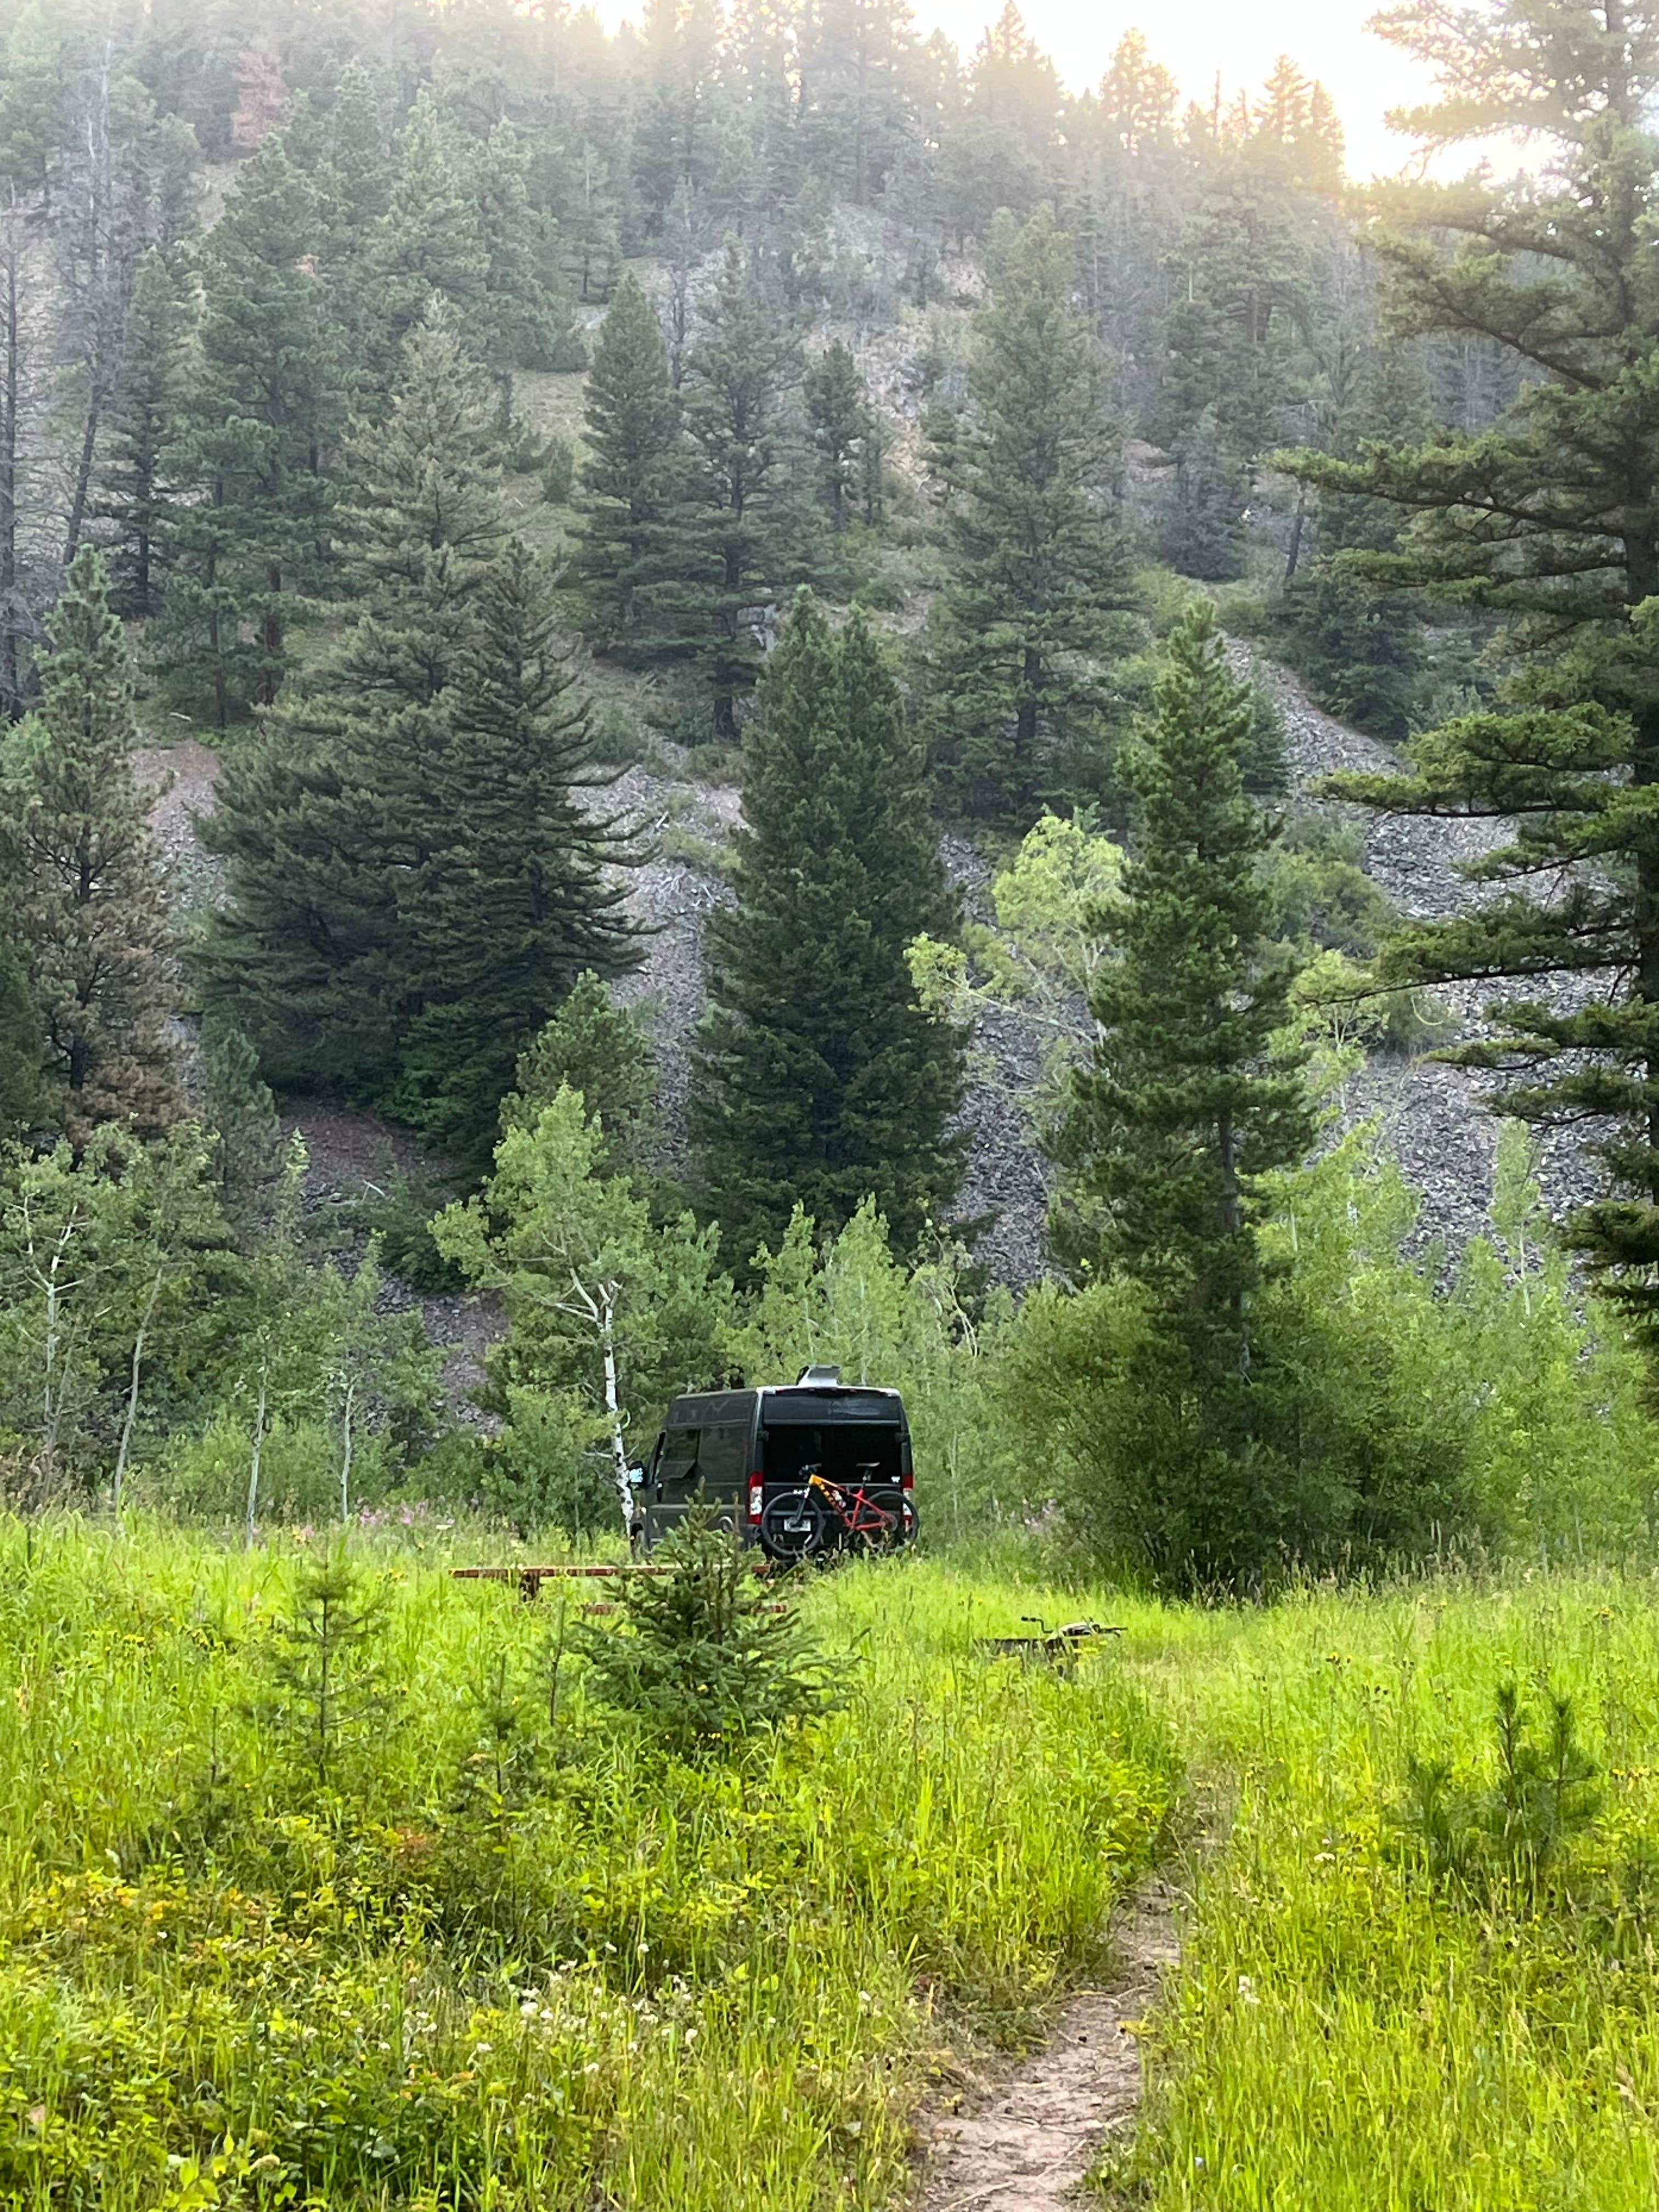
x: 818, y: 1375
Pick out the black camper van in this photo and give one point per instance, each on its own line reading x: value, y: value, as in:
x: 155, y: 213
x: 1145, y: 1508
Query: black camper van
x: 804, y: 1469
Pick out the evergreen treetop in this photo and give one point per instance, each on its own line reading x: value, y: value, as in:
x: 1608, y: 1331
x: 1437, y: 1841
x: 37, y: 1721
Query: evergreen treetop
x: 818, y: 1079
x: 1550, y: 518
x: 745, y: 361
x: 518, y: 886
x: 1184, y: 1099
x: 1039, y: 564
x: 148, y: 389
x: 87, y: 902
x: 307, y: 956
x: 642, y: 554
x: 246, y: 535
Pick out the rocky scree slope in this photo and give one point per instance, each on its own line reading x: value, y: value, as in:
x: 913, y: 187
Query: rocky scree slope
x: 1433, y: 1117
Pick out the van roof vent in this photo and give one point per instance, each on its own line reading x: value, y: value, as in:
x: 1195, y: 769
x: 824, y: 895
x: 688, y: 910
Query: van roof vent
x: 819, y: 1375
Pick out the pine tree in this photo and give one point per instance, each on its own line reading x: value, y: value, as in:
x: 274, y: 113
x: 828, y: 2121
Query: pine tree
x: 704, y: 1660
x: 1138, y: 95
x: 516, y: 892
x: 241, y: 1112
x: 817, y: 1079
x: 1549, y: 519
x: 1181, y: 1101
x: 1203, y: 533
x: 33, y: 102
x: 414, y: 881
x: 641, y: 558
x: 430, y: 239
x: 1039, y: 564
x: 24, y: 1101
x: 524, y: 320
x: 1361, y: 651
x: 1244, y: 265
x: 743, y: 363
x: 839, y: 412
x: 246, y: 530
x: 307, y: 956
x: 142, y: 423
x: 343, y: 148
x: 605, y: 1051
x: 89, y: 909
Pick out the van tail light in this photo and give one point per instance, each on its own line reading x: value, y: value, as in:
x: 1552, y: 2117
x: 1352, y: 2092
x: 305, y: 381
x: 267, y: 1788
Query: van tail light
x: 757, y: 1493
x: 908, y: 1480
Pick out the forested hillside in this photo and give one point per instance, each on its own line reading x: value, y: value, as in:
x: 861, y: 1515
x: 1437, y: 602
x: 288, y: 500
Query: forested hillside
x: 671, y: 704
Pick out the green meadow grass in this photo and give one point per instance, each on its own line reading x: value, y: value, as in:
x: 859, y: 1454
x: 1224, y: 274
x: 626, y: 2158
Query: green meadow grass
x: 1347, y: 2031
x: 511, y: 1958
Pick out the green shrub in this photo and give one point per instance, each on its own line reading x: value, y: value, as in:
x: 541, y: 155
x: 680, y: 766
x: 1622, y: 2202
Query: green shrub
x: 619, y: 737
x: 693, y: 850
x: 549, y: 1467
x: 401, y: 1218
x: 702, y: 1658
x: 1511, y: 1829
x: 1346, y: 1445
x: 1360, y: 651
x: 325, y: 1680
x: 205, y: 1475
x: 523, y: 449
x: 558, y: 471
x: 884, y: 592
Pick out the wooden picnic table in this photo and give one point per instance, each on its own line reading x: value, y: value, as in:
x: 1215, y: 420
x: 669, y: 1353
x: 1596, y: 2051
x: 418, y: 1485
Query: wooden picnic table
x: 530, y: 1579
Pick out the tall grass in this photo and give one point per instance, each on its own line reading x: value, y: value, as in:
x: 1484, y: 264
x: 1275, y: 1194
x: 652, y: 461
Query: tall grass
x: 516, y: 1957
x: 1347, y: 2031
x: 512, y: 1957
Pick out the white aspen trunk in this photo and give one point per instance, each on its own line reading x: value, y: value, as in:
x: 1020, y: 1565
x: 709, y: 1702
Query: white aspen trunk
x: 613, y: 1410
x: 253, y: 1463
x: 345, y: 1450
x: 52, y: 1398
x: 124, y: 1451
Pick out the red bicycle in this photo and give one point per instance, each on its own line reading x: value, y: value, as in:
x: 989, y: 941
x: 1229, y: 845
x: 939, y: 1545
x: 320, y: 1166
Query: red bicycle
x: 824, y: 1517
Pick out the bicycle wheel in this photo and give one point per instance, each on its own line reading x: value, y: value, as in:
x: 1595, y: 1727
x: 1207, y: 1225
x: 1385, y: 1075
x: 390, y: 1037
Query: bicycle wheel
x: 791, y: 1527
x: 888, y: 1534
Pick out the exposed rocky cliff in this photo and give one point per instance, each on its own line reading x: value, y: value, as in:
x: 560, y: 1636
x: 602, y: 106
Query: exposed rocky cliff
x: 1433, y: 1117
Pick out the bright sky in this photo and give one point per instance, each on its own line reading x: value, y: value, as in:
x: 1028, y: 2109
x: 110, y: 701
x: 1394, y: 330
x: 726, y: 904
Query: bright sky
x: 1194, y: 38
x: 1242, y: 39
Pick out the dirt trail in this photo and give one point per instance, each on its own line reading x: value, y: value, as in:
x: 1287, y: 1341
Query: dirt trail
x: 1024, y: 2146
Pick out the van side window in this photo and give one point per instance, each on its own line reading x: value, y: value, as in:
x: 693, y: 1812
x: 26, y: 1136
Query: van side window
x: 722, y: 1463
x: 678, y: 1461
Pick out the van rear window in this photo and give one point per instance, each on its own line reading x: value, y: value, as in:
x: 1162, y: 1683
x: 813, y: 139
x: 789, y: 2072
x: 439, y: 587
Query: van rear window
x: 844, y: 1451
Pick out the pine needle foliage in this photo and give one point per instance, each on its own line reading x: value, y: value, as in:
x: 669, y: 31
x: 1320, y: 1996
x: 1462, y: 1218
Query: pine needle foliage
x: 245, y: 537
x: 149, y: 388
x: 641, y: 557
x: 1508, y: 1834
x: 818, y: 1080
x: 1039, y: 565
x: 701, y: 1655
x: 415, y: 882
x: 1549, y: 520
x: 605, y: 1051
x: 328, y: 1684
x: 520, y: 889
x: 88, y: 901
x: 739, y: 374
x: 1183, y: 1100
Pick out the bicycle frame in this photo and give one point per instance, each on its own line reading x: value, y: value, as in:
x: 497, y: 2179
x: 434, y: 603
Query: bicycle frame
x: 854, y: 1508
